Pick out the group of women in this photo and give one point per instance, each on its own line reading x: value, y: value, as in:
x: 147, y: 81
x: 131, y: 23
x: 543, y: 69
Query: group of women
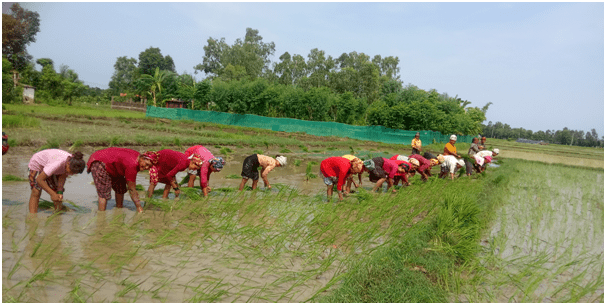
x: 341, y: 170
x: 116, y: 169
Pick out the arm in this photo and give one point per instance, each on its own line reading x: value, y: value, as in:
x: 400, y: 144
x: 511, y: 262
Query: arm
x: 150, y: 190
x: 41, y: 180
x: 134, y: 196
x: 175, y: 185
x: 266, y: 171
x: 390, y: 184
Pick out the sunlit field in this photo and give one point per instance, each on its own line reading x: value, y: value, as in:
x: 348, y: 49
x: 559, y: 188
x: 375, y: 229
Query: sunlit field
x: 523, y: 231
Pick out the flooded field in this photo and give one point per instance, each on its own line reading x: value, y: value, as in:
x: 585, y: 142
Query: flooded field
x: 287, y: 245
x: 553, y: 159
x: 278, y: 246
x: 547, y: 244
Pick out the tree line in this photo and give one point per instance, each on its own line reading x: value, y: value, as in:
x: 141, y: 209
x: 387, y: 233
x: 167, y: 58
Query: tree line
x: 565, y: 136
x: 353, y: 88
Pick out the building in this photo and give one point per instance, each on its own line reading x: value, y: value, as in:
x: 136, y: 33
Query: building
x: 29, y: 93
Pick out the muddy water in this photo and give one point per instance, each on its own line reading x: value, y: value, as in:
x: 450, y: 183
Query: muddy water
x: 72, y: 247
x: 549, y: 238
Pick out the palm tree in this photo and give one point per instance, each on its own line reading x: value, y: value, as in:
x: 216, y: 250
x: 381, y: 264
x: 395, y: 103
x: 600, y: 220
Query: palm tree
x: 154, y: 82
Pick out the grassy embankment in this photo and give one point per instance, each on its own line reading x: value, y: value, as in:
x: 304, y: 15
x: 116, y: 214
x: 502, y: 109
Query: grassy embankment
x: 103, y: 127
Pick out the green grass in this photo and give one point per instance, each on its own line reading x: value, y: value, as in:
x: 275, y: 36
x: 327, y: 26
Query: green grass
x: 19, y: 121
x: 13, y: 178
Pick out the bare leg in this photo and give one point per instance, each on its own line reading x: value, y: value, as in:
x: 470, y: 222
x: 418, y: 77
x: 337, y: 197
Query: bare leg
x: 254, y: 184
x: 329, y: 192
x: 119, y: 200
x: 34, y: 199
x: 166, y: 191
x: 192, y: 179
x: 102, y: 204
x: 244, y: 180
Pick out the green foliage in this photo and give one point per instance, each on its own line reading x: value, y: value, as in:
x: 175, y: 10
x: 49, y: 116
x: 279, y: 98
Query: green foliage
x: 285, y: 150
x: 19, y: 29
x: 297, y: 162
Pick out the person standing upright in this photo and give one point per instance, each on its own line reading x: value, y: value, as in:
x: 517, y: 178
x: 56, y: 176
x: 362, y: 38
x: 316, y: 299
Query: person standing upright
x: 416, y: 144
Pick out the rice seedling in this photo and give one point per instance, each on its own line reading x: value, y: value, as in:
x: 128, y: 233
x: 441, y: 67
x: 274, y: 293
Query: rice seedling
x: 233, y: 176
x: 225, y: 150
x: 19, y: 121
x: 50, y: 143
x: 297, y: 162
x: 285, y: 151
x: 308, y: 172
x: 13, y: 178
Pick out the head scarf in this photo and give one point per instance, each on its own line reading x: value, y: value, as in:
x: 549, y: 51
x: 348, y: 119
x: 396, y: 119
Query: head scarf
x: 418, y: 134
x: 488, y: 159
x: 434, y: 162
x: 217, y: 163
x: 151, y: 156
x: 402, y: 158
x: 282, y: 160
x: 496, y: 151
x: 461, y: 162
x: 453, y: 137
x: 356, y: 165
x: 197, y: 159
x: 369, y: 164
x: 414, y: 162
x: 441, y: 159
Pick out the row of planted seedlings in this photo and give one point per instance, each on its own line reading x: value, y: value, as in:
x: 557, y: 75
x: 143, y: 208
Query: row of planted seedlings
x: 547, y: 241
x: 251, y: 246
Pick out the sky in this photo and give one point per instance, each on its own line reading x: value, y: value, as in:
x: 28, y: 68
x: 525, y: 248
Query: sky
x: 541, y: 65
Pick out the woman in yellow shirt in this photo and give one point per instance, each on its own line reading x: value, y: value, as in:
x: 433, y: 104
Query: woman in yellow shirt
x: 416, y: 144
x: 450, y: 148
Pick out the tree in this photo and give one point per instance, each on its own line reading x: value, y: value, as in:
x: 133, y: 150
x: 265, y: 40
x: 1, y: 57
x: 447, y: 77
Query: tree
x: 125, y: 75
x: 291, y: 69
x: 318, y: 69
x: 154, y: 83
x: 19, y: 29
x: 252, y: 54
x: 152, y: 58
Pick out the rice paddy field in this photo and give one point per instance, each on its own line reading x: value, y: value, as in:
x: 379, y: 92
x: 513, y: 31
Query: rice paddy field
x: 525, y: 231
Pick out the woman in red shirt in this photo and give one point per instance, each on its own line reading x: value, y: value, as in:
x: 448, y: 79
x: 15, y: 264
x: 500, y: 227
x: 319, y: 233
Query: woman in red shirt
x: 116, y: 168
x: 171, y: 162
x: 336, y: 170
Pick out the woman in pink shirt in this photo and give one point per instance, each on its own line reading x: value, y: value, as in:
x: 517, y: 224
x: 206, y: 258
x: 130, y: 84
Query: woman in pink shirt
x: 170, y: 162
x: 250, y: 171
x: 211, y: 164
x: 403, y: 176
x: 116, y: 168
x: 384, y: 170
x: 48, y: 170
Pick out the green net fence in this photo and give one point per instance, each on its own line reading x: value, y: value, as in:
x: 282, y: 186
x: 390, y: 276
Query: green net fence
x: 368, y: 133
